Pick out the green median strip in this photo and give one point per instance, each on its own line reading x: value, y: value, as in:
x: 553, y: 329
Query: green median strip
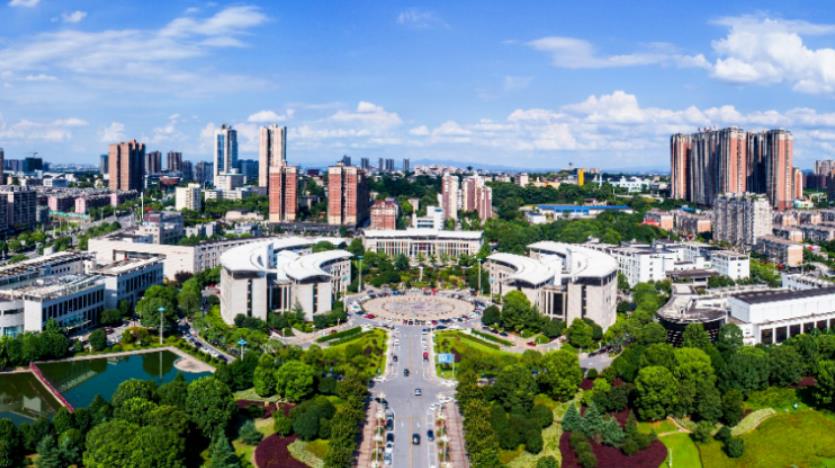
x: 339, y: 335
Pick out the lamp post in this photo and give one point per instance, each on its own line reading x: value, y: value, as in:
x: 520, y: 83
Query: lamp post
x: 242, y: 343
x: 161, y: 317
x: 359, y: 284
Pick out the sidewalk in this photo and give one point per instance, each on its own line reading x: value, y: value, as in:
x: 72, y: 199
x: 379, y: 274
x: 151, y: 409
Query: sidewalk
x: 455, y: 428
x: 366, y: 449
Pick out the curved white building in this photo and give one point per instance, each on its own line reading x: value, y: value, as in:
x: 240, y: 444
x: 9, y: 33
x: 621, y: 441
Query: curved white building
x: 564, y: 281
x: 278, y: 274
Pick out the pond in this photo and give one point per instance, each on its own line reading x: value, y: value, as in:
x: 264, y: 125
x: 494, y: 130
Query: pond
x: 23, y: 398
x: 80, y: 381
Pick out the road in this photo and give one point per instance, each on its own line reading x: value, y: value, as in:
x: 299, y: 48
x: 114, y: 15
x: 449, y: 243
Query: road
x: 412, y: 414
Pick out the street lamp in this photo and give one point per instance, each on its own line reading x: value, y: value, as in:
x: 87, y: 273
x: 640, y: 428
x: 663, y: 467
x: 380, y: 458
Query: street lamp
x: 161, y: 316
x: 242, y: 343
x: 359, y: 284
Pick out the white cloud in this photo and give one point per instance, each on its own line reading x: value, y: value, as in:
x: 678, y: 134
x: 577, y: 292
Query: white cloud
x: 766, y: 51
x: 113, y: 133
x: 24, y: 3
x: 150, y: 60
x: 268, y: 116
x: 40, y: 77
x: 420, y: 19
x: 368, y: 114
x: 74, y: 17
x: 571, y: 52
x: 55, y: 131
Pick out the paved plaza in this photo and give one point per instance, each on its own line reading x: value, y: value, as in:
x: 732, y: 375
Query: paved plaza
x: 417, y: 307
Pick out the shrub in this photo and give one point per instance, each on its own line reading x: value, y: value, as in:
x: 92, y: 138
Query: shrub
x: 734, y: 447
x: 591, y: 374
x: 282, y: 423
x: 249, y: 434
x: 702, y: 432
x: 533, y: 441
x: 582, y: 448
x: 542, y: 416
x: 723, y: 435
x: 547, y: 462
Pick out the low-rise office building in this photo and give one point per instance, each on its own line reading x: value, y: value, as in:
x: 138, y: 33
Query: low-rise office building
x: 824, y: 232
x: 734, y: 265
x: 659, y: 219
x: 73, y: 301
x: 779, y: 250
x: 691, y: 224
x: 563, y: 281
x: 425, y: 243
x: 789, y: 233
x: 282, y: 274
x: 127, y: 280
x: 773, y: 316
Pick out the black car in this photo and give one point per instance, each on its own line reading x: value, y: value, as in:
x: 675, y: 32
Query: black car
x: 415, y: 439
x: 394, y: 357
x: 405, y: 372
x: 389, y: 424
x: 430, y: 435
x: 390, y: 437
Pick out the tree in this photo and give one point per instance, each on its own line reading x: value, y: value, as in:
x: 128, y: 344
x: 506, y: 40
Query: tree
x: 650, y: 333
x: 571, y: 420
x: 71, y: 445
x: 734, y: 447
x: 561, y: 374
x: 695, y: 336
x: 134, y: 388
x: 514, y: 388
x: 221, y: 454
x: 294, y: 380
x: 694, y: 372
x: 517, y: 313
x: 786, y: 365
x: 580, y: 334
x: 824, y: 391
x: 282, y: 423
x: 553, y: 328
x: 729, y: 339
x: 747, y: 370
x: 547, y: 462
x: 491, y: 316
x: 732, y: 407
x: 174, y: 392
x: 209, y: 404
x: 11, y: 445
x: 189, y: 297
x: 98, y: 339
x: 49, y: 455
x: 263, y: 379
x: 657, y: 392
x: 702, y: 432
x: 249, y: 434
x: 110, y: 444
x: 480, y: 437
x: 157, y: 446
x: 135, y: 410
x: 543, y: 416
x: 148, y: 307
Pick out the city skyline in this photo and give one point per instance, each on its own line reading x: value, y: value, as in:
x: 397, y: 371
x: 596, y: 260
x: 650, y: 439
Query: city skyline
x: 534, y: 86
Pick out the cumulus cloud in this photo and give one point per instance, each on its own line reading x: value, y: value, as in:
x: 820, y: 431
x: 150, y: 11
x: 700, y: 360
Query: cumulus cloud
x: 73, y: 17
x: 55, y: 131
x: 113, y: 133
x: 420, y: 19
x: 368, y: 114
x: 763, y: 50
x: 571, y: 52
x: 268, y: 116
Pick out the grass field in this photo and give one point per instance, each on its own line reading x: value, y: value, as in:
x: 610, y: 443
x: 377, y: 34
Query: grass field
x: 660, y: 427
x: 375, y: 339
x: 802, y: 438
x: 778, y: 398
x: 468, y: 347
x: 310, y: 453
x: 681, y: 451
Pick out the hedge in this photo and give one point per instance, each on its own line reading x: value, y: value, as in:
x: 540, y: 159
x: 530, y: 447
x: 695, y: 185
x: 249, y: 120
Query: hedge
x: 492, y: 337
x: 339, y: 335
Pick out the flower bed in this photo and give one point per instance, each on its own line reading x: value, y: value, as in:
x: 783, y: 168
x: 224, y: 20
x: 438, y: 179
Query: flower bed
x: 272, y: 452
x: 650, y: 457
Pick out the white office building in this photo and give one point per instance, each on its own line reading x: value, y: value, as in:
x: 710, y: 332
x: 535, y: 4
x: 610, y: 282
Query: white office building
x: 127, y: 280
x: 773, y: 316
x: 563, y: 281
x: 280, y: 275
x: 422, y: 243
x: 188, y: 198
x: 73, y: 301
x: 433, y: 219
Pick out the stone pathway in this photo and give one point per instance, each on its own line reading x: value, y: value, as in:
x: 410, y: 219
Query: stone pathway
x: 366, y: 449
x: 455, y: 428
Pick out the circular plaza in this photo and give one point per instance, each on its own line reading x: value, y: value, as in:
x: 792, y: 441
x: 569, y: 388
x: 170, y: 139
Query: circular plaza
x: 417, y: 307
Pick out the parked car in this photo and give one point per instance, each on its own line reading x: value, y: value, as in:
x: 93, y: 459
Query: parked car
x: 406, y: 372
x: 418, y: 392
x: 390, y: 437
x: 430, y: 435
x: 415, y: 439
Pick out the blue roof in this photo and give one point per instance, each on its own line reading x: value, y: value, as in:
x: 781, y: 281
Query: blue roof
x: 582, y: 208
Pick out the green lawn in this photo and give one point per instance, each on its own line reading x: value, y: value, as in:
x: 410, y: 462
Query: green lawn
x: 374, y: 339
x: 681, y: 451
x: 660, y: 427
x: 779, y: 398
x: 802, y: 438
x: 468, y: 347
x: 310, y: 453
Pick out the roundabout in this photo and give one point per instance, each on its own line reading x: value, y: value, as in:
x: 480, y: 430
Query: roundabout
x: 417, y: 307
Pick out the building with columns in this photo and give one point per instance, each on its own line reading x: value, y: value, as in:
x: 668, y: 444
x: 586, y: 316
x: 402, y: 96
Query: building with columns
x: 562, y: 281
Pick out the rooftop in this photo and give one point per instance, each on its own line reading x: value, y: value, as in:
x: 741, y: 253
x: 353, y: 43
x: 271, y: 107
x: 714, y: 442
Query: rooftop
x: 422, y: 233
x: 780, y: 295
x: 253, y: 256
x: 578, y: 260
x: 527, y: 269
x: 582, y: 208
x: 52, y: 287
x: 126, y: 265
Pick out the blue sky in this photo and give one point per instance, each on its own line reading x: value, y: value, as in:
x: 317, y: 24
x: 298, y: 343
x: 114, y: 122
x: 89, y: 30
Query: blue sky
x: 523, y: 84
